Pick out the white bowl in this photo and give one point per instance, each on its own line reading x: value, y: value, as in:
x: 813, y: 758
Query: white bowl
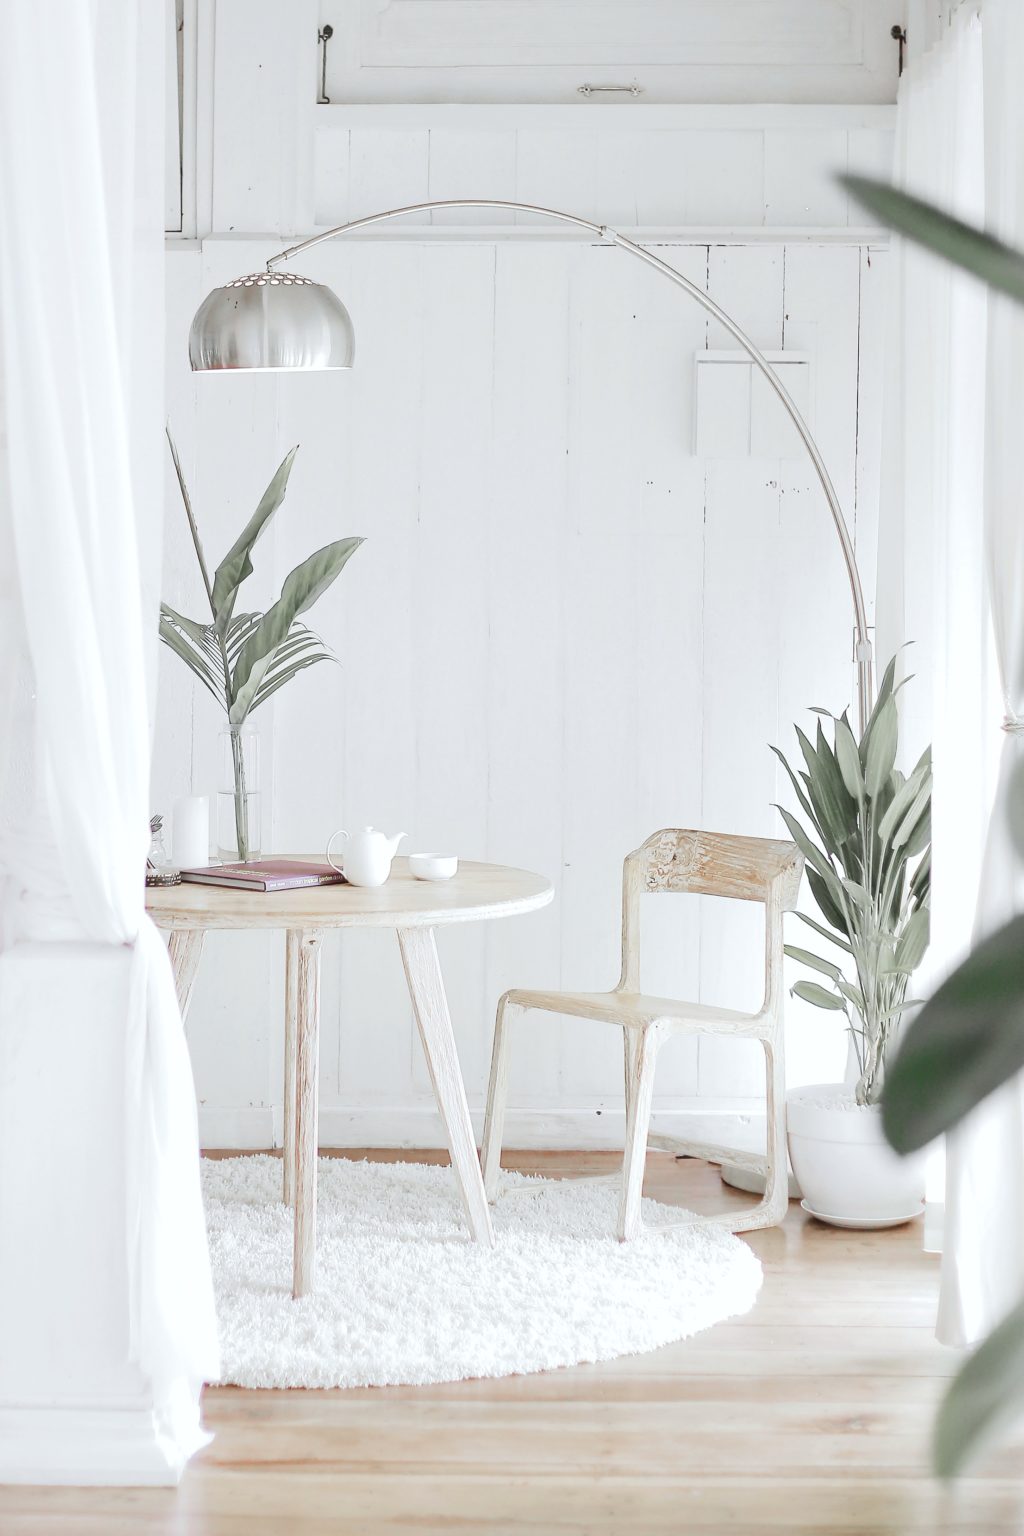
x: 433, y: 866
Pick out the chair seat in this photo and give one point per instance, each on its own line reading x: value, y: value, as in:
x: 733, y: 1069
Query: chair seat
x: 640, y: 1008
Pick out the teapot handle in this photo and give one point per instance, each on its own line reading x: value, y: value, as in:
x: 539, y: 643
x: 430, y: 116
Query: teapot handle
x: 330, y: 844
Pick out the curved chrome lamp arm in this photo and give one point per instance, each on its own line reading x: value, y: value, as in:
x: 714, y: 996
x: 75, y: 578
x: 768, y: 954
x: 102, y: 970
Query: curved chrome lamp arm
x: 865, y: 679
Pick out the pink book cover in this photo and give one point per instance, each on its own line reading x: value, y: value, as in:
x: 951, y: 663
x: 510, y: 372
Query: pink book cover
x: 265, y: 875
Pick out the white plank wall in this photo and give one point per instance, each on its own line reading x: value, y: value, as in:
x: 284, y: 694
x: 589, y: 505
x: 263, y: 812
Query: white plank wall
x: 713, y: 167
x: 563, y: 631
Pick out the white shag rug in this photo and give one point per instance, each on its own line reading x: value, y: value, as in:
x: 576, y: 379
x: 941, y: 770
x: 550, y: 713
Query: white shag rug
x: 404, y: 1296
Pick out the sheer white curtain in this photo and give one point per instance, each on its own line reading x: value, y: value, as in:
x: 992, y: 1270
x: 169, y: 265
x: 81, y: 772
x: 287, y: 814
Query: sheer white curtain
x: 983, y: 1260
x: 931, y: 570
x: 81, y: 292
x: 951, y: 577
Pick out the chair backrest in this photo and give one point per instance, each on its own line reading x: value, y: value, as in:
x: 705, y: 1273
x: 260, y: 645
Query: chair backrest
x: 719, y: 864
x: 712, y: 864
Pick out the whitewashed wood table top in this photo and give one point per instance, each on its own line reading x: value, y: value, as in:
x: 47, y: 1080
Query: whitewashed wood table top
x: 475, y: 893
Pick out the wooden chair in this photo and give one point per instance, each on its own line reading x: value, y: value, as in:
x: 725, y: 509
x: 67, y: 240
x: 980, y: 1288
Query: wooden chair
x: 705, y: 864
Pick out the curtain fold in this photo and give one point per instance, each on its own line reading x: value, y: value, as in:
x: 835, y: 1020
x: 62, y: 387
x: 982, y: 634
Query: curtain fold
x: 81, y: 256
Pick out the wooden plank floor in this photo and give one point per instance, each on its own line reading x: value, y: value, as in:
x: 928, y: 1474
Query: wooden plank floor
x: 809, y: 1415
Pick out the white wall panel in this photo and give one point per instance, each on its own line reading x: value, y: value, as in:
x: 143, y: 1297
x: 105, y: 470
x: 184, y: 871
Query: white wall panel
x: 648, y: 167
x: 674, y: 50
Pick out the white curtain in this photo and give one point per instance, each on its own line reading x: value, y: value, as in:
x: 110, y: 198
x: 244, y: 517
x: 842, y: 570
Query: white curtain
x: 931, y: 569
x: 81, y: 297
x: 951, y: 579
x: 983, y: 1258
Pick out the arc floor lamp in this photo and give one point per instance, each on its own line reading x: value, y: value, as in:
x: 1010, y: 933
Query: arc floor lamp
x: 280, y: 321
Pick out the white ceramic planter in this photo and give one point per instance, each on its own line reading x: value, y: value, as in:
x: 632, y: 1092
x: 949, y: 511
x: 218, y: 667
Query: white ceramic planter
x: 849, y: 1174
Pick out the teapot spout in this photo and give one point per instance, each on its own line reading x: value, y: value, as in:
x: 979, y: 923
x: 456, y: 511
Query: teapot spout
x: 393, y: 842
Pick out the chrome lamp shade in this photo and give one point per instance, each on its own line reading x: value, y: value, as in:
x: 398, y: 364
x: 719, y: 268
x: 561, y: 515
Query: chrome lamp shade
x: 271, y: 321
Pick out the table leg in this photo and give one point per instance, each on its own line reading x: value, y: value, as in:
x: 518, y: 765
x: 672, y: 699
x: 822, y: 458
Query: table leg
x: 307, y: 1057
x: 426, y: 988
x: 292, y: 941
x: 185, y: 948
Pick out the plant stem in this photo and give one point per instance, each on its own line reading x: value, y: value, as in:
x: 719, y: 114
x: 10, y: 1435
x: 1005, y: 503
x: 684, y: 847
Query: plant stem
x: 241, y: 796
x: 193, y: 528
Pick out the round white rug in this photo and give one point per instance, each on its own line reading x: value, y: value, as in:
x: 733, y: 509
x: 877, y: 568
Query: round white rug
x: 403, y: 1295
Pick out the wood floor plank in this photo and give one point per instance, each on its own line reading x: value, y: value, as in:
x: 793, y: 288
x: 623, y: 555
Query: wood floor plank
x: 810, y: 1416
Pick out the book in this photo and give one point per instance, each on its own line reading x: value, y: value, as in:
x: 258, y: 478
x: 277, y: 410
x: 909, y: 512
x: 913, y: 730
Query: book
x: 265, y: 875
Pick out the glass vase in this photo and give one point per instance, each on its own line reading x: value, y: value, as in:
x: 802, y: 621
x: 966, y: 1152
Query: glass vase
x: 239, y: 802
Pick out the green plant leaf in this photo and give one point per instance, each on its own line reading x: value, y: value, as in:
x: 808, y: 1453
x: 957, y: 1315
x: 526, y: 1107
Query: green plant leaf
x: 819, y: 996
x: 881, y: 740
x: 191, y: 627
x: 193, y: 653
x: 852, y: 994
x: 275, y: 680
x: 921, y: 835
x: 301, y: 649
x: 1015, y: 804
x: 302, y: 587
x: 825, y: 933
x: 967, y: 1040
x: 237, y: 563
x: 972, y: 249
x: 920, y: 884
x: 830, y: 794
x: 805, y: 957
x: 987, y: 1394
x: 827, y: 905
x: 800, y: 794
x: 238, y: 631
x: 811, y: 852
x: 849, y: 759
x: 919, y: 809
x: 900, y: 804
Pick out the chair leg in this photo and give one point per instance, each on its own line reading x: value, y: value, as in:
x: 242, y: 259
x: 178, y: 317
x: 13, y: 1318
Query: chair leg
x: 641, y: 1055
x: 497, y: 1096
x: 631, y: 1057
x: 776, y: 1189
x: 771, y: 1210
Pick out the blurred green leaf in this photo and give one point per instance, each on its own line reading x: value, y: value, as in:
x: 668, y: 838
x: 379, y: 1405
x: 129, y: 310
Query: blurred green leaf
x: 986, y: 1395
x: 967, y: 1040
x: 998, y: 265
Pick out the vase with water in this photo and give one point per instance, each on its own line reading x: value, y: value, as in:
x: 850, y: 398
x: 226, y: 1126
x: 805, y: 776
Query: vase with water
x: 239, y: 801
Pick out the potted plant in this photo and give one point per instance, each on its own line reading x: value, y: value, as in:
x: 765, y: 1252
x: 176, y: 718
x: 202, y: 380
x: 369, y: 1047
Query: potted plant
x: 242, y: 659
x: 866, y: 839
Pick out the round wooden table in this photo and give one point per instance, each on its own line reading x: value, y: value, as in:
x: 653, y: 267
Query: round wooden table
x: 414, y: 908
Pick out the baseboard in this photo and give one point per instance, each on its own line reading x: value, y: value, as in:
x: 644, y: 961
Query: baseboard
x: 86, y: 1448
x: 578, y: 1128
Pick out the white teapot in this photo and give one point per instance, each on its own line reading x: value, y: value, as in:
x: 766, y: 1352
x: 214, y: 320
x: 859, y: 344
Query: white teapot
x: 367, y: 857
